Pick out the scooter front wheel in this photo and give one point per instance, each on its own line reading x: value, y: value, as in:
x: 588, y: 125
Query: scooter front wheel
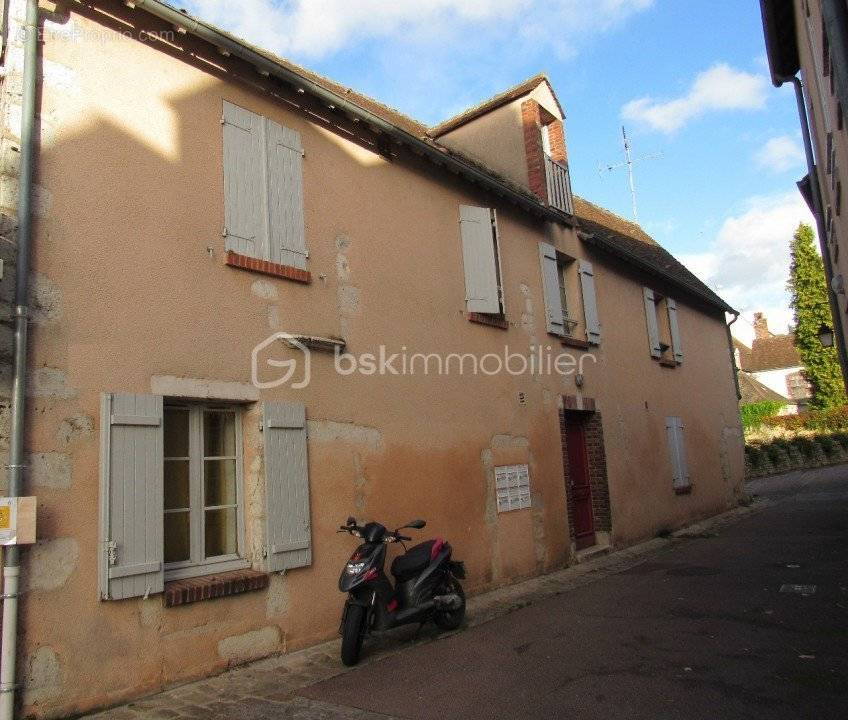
x: 353, y: 633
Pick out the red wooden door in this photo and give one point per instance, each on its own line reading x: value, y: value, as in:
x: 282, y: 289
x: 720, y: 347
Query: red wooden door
x: 578, y: 478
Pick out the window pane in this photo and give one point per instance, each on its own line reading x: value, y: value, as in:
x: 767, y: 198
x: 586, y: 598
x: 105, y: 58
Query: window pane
x: 219, y: 482
x: 563, y: 292
x: 176, y: 432
x: 220, y: 532
x: 177, y: 543
x: 176, y: 484
x: 219, y: 433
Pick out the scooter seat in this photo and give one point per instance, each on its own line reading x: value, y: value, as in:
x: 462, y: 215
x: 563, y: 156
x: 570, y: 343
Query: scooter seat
x: 413, y: 561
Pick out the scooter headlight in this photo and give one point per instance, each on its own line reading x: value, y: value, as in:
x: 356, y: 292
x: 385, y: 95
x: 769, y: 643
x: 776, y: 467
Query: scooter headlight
x: 354, y: 568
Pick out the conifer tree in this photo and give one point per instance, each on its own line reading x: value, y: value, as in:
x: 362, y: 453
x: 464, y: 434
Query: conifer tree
x: 809, y: 302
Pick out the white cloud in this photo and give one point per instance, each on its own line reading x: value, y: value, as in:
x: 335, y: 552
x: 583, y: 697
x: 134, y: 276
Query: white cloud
x: 316, y: 28
x: 780, y: 154
x: 748, y: 261
x: 719, y: 88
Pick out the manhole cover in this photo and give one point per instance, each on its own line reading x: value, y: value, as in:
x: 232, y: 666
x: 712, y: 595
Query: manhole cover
x: 798, y: 589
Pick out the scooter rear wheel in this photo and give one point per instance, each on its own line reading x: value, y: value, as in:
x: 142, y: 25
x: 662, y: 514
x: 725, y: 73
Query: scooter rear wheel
x: 353, y: 633
x: 451, y: 619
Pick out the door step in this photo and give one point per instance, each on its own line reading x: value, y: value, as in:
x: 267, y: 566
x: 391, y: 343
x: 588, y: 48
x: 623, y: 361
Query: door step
x: 590, y: 553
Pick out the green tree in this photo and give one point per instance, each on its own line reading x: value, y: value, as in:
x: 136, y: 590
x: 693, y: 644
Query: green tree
x: 809, y: 303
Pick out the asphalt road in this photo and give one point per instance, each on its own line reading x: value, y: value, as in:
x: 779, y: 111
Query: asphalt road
x: 699, y: 630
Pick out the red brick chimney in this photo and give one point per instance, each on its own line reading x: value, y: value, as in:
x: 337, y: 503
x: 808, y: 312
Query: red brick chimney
x: 761, y: 330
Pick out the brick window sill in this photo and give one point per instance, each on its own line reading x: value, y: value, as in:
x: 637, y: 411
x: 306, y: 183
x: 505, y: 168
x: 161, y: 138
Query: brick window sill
x: 669, y: 363
x: 209, y: 587
x: 685, y: 490
x: 498, y: 321
x: 575, y: 343
x: 244, y: 262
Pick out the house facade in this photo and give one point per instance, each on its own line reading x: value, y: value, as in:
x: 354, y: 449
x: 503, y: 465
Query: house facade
x: 807, y: 45
x: 773, y: 361
x: 261, y: 303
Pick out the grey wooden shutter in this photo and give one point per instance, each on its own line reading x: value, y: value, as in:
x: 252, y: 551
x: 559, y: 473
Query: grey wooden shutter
x: 285, y: 196
x: 288, y: 536
x: 550, y: 288
x: 677, y: 451
x: 674, y: 330
x: 590, y: 302
x: 478, y: 257
x: 245, y: 194
x: 653, y: 328
x: 131, y: 496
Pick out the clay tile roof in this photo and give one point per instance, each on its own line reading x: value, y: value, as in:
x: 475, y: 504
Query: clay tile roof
x: 493, y: 103
x: 753, y: 391
x: 386, y: 112
x: 630, y: 242
x: 774, y: 353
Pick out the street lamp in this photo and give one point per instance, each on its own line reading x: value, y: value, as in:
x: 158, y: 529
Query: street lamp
x: 826, y: 336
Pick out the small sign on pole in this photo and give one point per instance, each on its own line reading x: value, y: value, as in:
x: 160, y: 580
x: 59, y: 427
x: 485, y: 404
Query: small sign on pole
x: 17, y: 521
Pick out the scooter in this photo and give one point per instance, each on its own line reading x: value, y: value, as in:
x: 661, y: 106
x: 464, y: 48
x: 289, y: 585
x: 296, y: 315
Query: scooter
x: 426, y: 585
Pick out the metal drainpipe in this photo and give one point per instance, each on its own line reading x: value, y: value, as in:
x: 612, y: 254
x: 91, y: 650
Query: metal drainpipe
x: 11, y: 570
x: 734, y: 367
x: 819, y: 215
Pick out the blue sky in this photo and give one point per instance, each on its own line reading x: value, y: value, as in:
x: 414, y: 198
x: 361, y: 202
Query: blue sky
x: 688, y: 79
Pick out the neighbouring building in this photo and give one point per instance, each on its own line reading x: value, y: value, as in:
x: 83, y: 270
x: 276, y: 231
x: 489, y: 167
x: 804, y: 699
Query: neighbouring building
x: 205, y: 212
x: 807, y: 45
x: 752, y: 391
x: 772, y: 361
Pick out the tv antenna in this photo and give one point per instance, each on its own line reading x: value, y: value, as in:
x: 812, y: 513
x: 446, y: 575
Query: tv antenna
x: 629, y: 162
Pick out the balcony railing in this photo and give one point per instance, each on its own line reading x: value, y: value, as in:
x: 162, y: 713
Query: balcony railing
x: 559, y: 185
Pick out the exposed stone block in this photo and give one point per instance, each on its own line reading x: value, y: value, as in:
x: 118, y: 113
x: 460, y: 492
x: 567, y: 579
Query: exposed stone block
x: 73, y: 428
x: 251, y: 646
x: 203, y: 388
x: 49, y: 382
x: 45, y: 299
x: 43, y: 681
x: 50, y: 470
x: 50, y: 563
x: 330, y: 431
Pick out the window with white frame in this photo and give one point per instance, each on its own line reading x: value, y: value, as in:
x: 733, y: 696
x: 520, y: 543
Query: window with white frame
x: 567, y: 271
x: 512, y: 484
x: 661, y: 315
x: 571, y: 306
x: 171, y: 501
x: 202, y: 486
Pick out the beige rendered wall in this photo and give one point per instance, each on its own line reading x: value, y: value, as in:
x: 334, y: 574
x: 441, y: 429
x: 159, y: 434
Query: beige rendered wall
x: 822, y: 109
x: 131, y: 287
x: 495, y: 139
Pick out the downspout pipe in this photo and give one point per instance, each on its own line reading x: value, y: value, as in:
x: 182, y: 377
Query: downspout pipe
x: 12, y: 566
x: 820, y: 225
x: 734, y: 367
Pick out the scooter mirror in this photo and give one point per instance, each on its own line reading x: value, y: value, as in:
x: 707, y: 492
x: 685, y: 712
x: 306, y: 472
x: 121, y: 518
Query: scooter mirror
x: 417, y: 524
x: 351, y: 520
